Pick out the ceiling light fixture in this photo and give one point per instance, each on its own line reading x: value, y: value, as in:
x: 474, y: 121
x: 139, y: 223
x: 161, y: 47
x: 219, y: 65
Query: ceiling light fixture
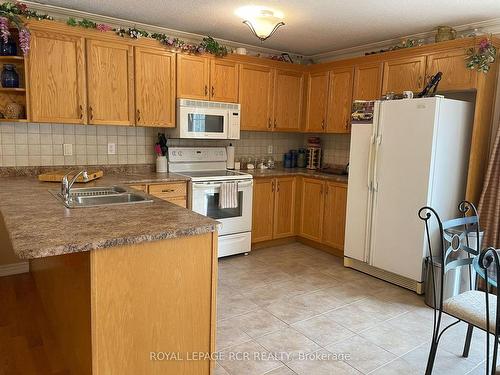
x: 261, y: 20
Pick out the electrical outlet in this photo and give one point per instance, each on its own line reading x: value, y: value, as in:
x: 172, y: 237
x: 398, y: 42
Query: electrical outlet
x: 67, y: 149
x: 111, y: 148
x: 270, y: 149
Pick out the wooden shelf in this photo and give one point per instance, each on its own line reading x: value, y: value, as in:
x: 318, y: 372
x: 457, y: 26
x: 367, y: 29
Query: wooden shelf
x: 11, y: 58
x: 13, y: 120
x: 13, y: 89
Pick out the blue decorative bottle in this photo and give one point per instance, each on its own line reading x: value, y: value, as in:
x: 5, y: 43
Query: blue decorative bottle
x: 9, y: 48
x: 9, y: 76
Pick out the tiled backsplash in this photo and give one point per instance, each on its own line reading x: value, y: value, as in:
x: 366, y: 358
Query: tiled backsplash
x: 42, y: 144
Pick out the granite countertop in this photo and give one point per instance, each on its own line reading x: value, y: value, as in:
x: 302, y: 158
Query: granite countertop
x: 280, y: 171
x: 39, y: 225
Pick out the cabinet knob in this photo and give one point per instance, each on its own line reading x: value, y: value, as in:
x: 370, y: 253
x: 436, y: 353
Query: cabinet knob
x: 272, y: 186
x: 275, y: 123
x: 91, y: 113
x: 419, y: 82
x: 138, y: 115
x: 278, y: 187
x: 322, y: 124
x: 347, y: 124
x: 81, y: 111
x: 206, y: 90
x: 269, y: 123
x: 213, y: 91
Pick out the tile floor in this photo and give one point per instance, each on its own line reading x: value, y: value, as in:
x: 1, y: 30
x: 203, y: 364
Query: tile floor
x: 296, y: 310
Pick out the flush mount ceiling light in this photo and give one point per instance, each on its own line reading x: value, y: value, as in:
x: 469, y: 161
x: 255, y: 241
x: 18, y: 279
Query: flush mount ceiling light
x: 263, y: 21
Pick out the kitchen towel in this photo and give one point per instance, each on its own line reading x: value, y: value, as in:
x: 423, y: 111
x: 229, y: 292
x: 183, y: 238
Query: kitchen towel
x: 228, y: 195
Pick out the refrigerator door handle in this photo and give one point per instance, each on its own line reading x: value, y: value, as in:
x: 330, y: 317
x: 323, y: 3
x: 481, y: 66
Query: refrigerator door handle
x: 370, y: 156
x: 375, y: 169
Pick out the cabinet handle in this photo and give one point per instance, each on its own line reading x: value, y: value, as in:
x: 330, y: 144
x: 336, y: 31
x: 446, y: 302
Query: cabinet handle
x: 323, y: 124
x: 326, y: 190
x: 275, y: 123
x: 278, y: 187
x: 272, y: 186
x: 321, y: 190
x: 91, y: 112
x: 269, y: 122
x: 138, y: 115
x: 81, y: 111
x: 420, y: 81
x: 347, y: 124
x: 213, y: 91
x: 167, y: 190
x: 206, y: 90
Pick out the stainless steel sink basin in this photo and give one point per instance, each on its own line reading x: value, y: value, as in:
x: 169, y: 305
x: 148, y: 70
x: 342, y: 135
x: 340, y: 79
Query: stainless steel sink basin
x: 100, y: 196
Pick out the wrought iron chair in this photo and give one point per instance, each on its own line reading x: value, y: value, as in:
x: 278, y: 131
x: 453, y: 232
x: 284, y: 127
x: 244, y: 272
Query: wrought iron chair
x: 476, y: 308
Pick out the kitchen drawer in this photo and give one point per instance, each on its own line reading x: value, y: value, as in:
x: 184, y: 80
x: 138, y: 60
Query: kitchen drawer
x: 143, y: 188
x: 165, y: 191
x: 178, y: 201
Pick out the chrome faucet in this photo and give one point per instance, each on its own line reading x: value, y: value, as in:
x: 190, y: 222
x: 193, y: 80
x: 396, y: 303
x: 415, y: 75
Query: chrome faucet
x: 66, y: 184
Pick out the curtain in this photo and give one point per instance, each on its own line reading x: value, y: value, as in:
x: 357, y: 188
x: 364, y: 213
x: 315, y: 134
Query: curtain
x: 489, y: 204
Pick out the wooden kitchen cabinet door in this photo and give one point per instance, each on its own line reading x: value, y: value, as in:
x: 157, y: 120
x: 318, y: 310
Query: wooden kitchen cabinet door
x: 57, y: 78
x: 367, y: 82
x: 223, y: 81
x: 335, y: 215
x: 110, y: 77
x: 263, y: 209
x: 154, y: 87
x: 311, y: 220
x: 404, y: 74
x: 317, y: 101
x: 338, y: 118
x: 193, y: 77
x: 456, y: 76
x: 284, y: 207
x: 256, y: 97
x: 288, y: 93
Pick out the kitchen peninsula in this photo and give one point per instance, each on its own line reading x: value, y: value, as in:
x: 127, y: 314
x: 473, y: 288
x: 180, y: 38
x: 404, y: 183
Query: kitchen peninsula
x: 118, y: 282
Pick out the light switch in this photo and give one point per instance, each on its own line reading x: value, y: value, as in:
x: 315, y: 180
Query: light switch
x: 67, y: 149
x: 270, y: 149
x: 111, y: 148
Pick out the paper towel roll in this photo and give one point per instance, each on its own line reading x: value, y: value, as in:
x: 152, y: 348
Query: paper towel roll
x: 230, y: 156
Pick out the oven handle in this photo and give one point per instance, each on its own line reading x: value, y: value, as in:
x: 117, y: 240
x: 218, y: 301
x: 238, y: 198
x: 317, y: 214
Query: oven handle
x: 204, y: 185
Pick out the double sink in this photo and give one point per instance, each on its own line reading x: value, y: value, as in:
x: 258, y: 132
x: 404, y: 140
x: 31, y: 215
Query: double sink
x: 100, y: 196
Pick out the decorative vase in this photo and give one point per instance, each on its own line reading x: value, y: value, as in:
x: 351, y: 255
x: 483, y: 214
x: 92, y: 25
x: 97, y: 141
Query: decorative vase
x: 13, y: 111
x: 445, y: 33
x: 9, y: 48
x: 9, y: 76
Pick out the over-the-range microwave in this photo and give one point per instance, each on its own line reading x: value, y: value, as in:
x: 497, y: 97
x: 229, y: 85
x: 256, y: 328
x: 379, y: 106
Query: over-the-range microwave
x: 200, y: 119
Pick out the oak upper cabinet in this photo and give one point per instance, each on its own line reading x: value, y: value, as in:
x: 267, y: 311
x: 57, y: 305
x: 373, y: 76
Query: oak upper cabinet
x: 338, y: 119
x: 57, y: 78
x: 317, y: 101
x: 110, y: 77
x: 288, y: 95
x: 263, y: 209
x: 404, y: 74
x: 367, y: 81
x: 223, y: 81
x: 193, y: 77
x: 284, y: 207
x: 154, y: 87
x: 456, y: 76
x: 334, y: 215
x: 256, y: 97
x: 312, y: 209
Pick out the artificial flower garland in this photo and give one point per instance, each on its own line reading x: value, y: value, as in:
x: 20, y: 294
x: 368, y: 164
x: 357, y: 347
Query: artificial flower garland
x: 482, y: 57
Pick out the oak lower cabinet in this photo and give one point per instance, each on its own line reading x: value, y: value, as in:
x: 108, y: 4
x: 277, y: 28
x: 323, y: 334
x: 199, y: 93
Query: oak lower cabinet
x: 404, y: 74
x: 56, y: 73
x: 273, y: 208
x: 323, y: 212
x: 256, y: 83
x: 110, y: 78
x: 154, y: 87
x: 456, y: 75
x: 334, y: 216
x: 173, y: 192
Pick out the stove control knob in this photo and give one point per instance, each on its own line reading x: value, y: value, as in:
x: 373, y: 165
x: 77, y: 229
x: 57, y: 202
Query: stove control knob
x: 179, y: 153
x: 173, y: 153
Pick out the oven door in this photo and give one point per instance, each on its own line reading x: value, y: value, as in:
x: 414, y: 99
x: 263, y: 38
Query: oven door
x: 204, y: 123
x: 205, y: 201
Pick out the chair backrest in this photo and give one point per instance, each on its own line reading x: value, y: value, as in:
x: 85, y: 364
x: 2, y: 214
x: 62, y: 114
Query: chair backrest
x: 458, y: 244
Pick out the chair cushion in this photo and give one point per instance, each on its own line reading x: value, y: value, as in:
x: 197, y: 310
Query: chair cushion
x: 470, y: 306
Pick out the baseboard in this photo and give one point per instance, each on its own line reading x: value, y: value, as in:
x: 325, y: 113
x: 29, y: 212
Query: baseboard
x: 320, y: 246
x: 305, y: 241
x: 271, y: 243
x: 14, y: 268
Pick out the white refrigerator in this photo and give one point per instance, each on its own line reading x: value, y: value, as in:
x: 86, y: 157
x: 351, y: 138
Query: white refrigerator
x: 414, y: 153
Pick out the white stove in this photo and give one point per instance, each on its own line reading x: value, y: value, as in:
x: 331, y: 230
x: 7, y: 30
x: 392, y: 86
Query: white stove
x: 206, y: 168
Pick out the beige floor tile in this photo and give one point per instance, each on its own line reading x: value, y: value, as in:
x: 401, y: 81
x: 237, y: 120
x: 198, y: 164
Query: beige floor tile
x: 397, y: 367
x: 287, y: 343
x: 396, y: 341
x: 258, y: 323
x: 363, y: 355
x: 379, y: 308
x: 273, y: 292
x: 233, y: 304
x: 350, y: 292
x: 219, y: 370
x: 290, y: 311
x: 323, y: 330
x: 281, y: 371
x: 229, y: 334
x: 350, y: 316
x: 248, y: 358
x: 321, y: 362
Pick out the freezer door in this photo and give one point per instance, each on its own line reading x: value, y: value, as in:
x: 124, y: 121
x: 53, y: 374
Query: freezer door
x: 359, y: 193
x: 402, y: 180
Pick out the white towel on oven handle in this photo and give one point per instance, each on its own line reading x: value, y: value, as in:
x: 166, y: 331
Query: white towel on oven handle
x: 228, y: 195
